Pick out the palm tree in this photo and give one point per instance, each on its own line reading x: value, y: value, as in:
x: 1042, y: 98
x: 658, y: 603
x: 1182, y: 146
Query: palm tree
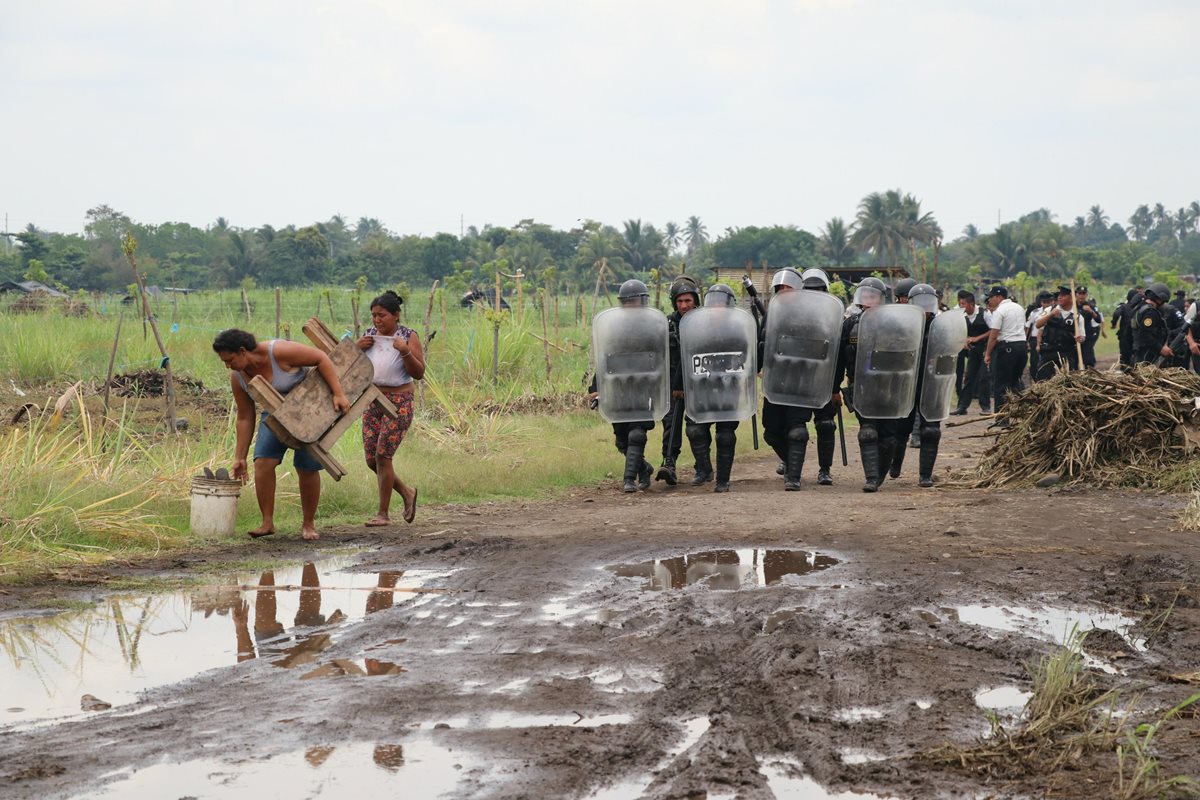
x: 1141, y: 222
x: 367, y: 228
x: 1097, y: 219
x: 695, y: 234
x: 835, y: 242
x: 970, y: 233
x: 878, y: 228
x: 672, y: 235
x: 221, y: 225
x: 1194, y: 210
x: 1183, y: 223
x: 1161, y: 216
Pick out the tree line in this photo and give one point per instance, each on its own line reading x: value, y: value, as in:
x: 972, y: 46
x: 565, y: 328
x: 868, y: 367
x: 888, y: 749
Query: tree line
x: 889, y: 229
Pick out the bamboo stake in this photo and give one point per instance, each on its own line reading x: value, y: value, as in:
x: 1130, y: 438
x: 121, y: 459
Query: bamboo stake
x: 599, y: 277
x: 546, y: 338
x: 129, y: 246
x: 425, y: 337
x: 246, y: 305
x: 278, y: 311
x: 112, y: 359
x: 1078, y: 325
x: 496, y: 337
x: 354, y: 314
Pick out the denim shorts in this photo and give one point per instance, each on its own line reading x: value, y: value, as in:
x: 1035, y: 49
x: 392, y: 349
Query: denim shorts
x: 268, y: 445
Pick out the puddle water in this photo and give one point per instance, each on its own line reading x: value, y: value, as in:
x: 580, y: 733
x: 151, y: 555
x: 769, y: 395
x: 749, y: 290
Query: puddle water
x: 859, y: 714
x: 325, y: 771
x: 128, y: 644
x: 725, y: 569
x: 1053, y: 624
x: 1002, y: 698
x: 787, y: 782
x: 693, y: 730
x: 854, y: 756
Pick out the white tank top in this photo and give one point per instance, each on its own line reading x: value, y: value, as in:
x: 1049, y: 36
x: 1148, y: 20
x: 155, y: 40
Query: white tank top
x: 389, y: 366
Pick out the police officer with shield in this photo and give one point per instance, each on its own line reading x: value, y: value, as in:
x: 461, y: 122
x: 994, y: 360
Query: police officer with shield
x: 800, y: 357
x: 685, y: 296
x: 945, y: 335
x: 631, y: 383
x: 879, y: 353
x: 718, y: 352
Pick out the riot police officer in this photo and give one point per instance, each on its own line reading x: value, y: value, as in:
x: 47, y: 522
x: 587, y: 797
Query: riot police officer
x: 1061, y: 329
x: 785, y: 423
x: 1122, y: 320
x: 1150, y: 327
x: 945, y: 332
x: 718, y: 352
x: 685, y: 296
x: 631, y: 384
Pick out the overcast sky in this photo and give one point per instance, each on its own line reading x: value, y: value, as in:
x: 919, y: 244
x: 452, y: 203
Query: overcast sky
x: 743, y: 113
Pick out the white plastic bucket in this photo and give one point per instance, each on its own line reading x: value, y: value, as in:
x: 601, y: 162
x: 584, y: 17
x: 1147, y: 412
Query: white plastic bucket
x: 214, y: 506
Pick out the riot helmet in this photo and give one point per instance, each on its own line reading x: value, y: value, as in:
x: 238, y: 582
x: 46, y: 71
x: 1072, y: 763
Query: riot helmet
x: 786, y: 277
x: 869, y: 293
x: 684, y: 285
x: 1158, y: 292
x: 633, y: 293
x: 718, y: 295
x: 903, y: 288
x: 924, y: 297
x: 815, y: 279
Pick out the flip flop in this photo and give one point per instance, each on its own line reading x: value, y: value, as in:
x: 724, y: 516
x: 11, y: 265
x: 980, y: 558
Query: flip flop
x: 410, y: 513
x: 259, y: 534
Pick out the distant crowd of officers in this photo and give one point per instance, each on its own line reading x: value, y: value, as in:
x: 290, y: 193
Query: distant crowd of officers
x: 697, y: 370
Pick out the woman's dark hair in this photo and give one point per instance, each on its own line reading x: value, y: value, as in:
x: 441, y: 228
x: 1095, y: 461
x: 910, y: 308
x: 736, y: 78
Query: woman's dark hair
x: 389, y: 301
x: 232, y: 340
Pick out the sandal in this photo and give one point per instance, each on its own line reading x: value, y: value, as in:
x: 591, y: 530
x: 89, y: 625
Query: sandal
x: 259, y: 534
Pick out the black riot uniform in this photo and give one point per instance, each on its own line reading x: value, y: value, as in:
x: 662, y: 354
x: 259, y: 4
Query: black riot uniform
x: 928, y: 434
x: 785, y: 428
x: 673, y: 422
x: 700, y: 434
x: 876, y: 437
x: 1150, y: 326
x: 1122, y: 320
x: 631, y: 437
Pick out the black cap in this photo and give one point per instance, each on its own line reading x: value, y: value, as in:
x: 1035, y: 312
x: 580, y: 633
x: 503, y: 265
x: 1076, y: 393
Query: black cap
x: 1044, y: 295
x: 1179, y: 292
x: 1064, y: 290
x: 1080, y: 290
x: 997, y: 291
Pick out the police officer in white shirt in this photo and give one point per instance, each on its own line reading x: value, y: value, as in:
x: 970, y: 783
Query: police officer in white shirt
x: 1007, y: 349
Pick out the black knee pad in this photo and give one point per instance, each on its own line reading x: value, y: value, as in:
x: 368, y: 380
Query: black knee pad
x: 931, y: 433
x: 726, y: 439
x: 637, y: 437
x: 824, y: 425
x: 696, y: 431
x: 798, y: 434
x: 867, y: 434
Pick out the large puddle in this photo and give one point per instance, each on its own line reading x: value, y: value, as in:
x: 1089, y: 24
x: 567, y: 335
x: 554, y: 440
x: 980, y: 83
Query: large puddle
x: 416, y: 768
x: 129, y: 644
x: 725, y: 569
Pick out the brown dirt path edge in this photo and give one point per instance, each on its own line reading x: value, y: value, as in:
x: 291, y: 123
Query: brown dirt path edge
x: 868, y: 633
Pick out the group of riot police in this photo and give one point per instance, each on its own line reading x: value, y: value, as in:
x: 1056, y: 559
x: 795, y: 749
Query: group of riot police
x: 699, y: 367
x: 1153, y: 329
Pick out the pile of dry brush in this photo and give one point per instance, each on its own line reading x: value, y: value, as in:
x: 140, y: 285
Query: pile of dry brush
x: 1108, y: 428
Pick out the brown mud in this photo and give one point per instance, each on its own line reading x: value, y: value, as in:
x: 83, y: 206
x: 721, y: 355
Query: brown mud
x: 578, y: 651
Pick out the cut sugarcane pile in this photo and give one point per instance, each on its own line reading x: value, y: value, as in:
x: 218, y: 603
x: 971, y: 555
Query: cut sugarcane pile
x: 1105, y: 428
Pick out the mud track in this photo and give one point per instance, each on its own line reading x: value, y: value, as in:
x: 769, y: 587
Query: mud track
x: 539, y: 673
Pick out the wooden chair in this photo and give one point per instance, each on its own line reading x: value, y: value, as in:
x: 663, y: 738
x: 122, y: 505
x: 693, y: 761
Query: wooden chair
x: 306, y: 419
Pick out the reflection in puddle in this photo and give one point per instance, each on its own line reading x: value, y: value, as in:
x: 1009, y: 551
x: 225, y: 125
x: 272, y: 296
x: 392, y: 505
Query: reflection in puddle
x: 1052, y: 624
x: 854, y: 756
x: 358, y: 769
x: 788, y: 782
x: 1002, y: 698
x: 360, y: 667
x: 725, y: 569
x: 858, y: 714
x: 506, y: 719
x: 129, y: 644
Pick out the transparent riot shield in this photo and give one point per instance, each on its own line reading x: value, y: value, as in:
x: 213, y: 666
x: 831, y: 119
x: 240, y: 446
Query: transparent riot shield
x: 803, y: 333
x: 717, y: 346
x: 633, y: 377
x: 945, y: 339
x: 885, y: 371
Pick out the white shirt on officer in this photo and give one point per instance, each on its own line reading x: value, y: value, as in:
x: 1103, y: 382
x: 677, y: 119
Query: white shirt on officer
x: 1009, y: 320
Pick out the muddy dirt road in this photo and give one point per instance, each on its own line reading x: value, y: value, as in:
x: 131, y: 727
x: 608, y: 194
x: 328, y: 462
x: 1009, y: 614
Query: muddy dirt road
x: 669, y: 644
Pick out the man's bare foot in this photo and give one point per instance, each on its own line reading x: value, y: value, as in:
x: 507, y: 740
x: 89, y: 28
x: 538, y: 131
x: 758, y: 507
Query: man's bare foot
x: 410, y: 506
x: 262, y: 530
x: 310, y: 534
x: 378, y: 521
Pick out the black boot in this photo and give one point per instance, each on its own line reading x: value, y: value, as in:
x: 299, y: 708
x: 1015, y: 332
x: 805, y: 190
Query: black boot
x: 644, y: 475
x: 825, y: 447
x: 726, y: 441
x: 782, y: 468
x: 888, y: 448
x: 704, y: 472
x: 667, y: 473
x: 896, y: 462
x: 795, y: 465
x: 868, y: 448
x: 931, y: 436
x: 633, y: 460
